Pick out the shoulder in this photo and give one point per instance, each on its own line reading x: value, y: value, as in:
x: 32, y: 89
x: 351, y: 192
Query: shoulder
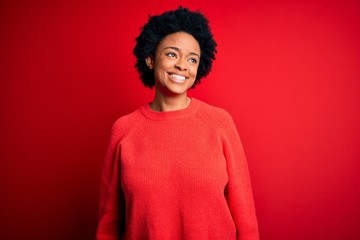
x: 220, y: 121
x: 214, y: 115
x: 125, y: 123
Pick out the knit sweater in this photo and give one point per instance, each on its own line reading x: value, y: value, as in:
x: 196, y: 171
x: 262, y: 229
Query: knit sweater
x: 176, y: 175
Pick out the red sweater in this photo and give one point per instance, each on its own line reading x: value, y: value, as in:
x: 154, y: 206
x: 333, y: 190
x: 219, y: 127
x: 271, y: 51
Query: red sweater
x: 176, y: 175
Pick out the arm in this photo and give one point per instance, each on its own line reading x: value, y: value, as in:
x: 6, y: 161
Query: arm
x: 238, y: 191
x: 112, y: 214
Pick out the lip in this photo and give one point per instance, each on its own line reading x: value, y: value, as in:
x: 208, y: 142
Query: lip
x: 178, y: 78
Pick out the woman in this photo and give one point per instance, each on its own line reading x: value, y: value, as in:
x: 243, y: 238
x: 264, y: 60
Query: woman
x: 175, y: 168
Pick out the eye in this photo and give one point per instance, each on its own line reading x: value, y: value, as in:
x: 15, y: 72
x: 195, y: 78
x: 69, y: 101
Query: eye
x: 171, y: 54
x: 193, y: 60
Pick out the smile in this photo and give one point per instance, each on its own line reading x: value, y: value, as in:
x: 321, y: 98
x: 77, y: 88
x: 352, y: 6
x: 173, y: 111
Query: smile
x: 178, y: 78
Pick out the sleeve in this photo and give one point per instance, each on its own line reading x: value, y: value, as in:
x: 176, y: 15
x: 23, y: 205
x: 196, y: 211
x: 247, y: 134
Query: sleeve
x: 238, y: 190
x: 112, y: 204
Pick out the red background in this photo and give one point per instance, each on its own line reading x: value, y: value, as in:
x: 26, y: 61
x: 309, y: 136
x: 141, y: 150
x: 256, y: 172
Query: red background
x: 287, y: 71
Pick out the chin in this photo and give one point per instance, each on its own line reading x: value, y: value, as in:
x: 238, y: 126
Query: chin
x: 177, y: 92
x: 179, y: 89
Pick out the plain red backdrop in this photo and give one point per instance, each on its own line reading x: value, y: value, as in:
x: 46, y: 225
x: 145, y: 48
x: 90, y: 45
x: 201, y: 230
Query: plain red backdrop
x: 287, y: 71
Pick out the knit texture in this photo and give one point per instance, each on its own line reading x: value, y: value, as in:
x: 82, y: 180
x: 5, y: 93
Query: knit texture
x: 177, y: 175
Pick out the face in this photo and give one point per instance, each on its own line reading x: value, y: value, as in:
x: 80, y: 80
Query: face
x: 175, y: 63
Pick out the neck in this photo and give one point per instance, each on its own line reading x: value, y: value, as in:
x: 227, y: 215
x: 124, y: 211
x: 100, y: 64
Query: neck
x: 169, y: 103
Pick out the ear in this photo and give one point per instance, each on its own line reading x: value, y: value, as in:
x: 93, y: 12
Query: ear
x: 150, y: 62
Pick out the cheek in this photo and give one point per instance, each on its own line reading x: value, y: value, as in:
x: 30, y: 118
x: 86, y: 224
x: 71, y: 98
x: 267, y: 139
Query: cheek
x: 194, y: 71
x: 164, y: 65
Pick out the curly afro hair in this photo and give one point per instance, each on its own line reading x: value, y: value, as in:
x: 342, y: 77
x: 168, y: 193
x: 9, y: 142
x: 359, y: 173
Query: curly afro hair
x: 179, y: 20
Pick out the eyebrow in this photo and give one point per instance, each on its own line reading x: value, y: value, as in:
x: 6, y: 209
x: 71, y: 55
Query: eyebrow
x: 178, y: 49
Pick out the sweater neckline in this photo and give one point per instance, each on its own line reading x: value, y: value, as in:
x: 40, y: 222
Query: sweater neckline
x: 176, y: 114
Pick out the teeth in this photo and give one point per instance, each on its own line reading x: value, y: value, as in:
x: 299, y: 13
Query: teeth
x: 179, y: 77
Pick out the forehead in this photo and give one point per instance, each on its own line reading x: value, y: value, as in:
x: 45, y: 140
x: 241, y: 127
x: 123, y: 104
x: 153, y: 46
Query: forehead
x: 181, y: 40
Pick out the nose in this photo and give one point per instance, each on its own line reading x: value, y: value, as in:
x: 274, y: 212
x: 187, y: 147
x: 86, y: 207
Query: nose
x: 180, y: 65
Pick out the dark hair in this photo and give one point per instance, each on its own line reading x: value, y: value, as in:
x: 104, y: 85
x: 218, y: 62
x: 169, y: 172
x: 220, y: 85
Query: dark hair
x: 179, y: 20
